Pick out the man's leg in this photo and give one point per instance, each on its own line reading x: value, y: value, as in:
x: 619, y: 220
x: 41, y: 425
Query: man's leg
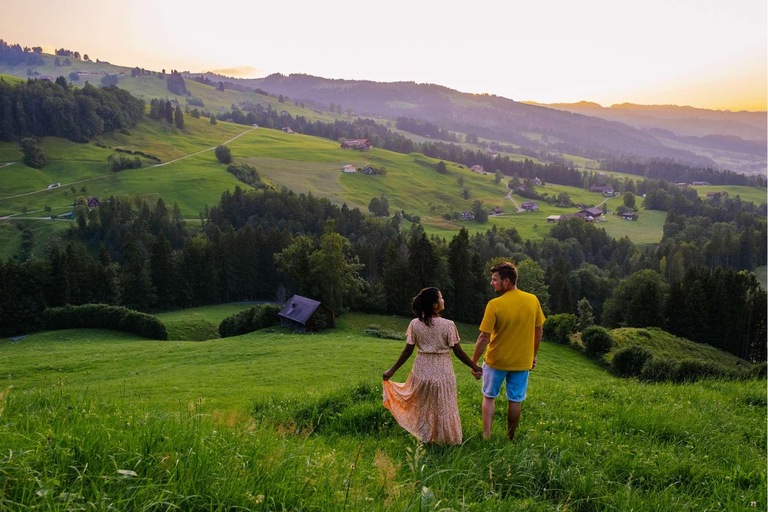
x: 489, y: 407
x: 513, y: 417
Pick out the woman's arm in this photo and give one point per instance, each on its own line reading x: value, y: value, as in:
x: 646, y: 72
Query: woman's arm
x: 404, y: 355
x: 464, y: 358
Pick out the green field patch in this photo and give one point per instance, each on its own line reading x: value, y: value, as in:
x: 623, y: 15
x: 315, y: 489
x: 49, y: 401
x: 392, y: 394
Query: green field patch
x: 669, y: 347
x: 647, y: 229
x: 199, y: 324
x: 167, y: 142
x: 46, y: 234
x: 750, y: 194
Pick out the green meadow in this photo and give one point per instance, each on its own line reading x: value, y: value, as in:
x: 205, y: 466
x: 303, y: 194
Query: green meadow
x: 274, y: 420
x: 299, y: 162
x: 749, y: 194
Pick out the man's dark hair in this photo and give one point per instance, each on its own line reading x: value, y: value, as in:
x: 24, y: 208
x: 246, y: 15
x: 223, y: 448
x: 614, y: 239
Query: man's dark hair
x: 506, y: 270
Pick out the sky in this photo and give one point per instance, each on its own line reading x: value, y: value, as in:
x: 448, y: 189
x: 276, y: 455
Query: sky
x: 703, y: 53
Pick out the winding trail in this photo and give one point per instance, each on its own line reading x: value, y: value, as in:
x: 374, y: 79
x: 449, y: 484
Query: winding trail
x: 509, y: 196
x: 128, y: 170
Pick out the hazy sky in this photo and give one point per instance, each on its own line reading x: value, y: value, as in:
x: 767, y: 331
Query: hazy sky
x: 704, y: 53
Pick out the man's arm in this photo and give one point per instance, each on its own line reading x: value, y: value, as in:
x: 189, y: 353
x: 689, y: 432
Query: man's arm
x: 538, y: 331
x: 480, y: 344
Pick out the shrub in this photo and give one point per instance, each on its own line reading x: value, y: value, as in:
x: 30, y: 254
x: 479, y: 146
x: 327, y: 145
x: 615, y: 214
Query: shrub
x: 629, y: 361
x: 596, y: 341
x: 252, y: 319
x: 105, y: 317
x: 223, y: 154
x: 758, y: 372
x: 246, y: 174
x: 379, y: 332
x: 558, y: 328
x: 119, y: 162
x: 692, y: 370
x: 658, y: 370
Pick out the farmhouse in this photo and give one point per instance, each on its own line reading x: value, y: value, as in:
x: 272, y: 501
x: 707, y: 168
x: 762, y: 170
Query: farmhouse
x: 496, y: 211
x: 700, y: 183
x: 302, y: 314
x: 592, y: 212
x: 493, y: 154
x: 553, y: 218
x: 467, y: 216
x: 530, y: 206
x: 370, y: 170
x: 521, y: 187
x: 287, y: 129
x: 349, y: 168
x: 359, y: 144
x: 93, y: 202
x: 608, y: 191
x: 536, y: 181
x: 478, y: 169
x: 628, y: 216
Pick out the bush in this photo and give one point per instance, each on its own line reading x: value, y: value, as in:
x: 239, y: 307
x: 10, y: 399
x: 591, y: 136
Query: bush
x: 629, y: 361
x: 104, y: 316
x: 558, y: 328
x: 596, y: 341
x: 692, y: 370
x: 224, y: 154
x: 658, y: 370
x: 246, y: 174
x: 252, y: 319
x: 119, y: 162
x: 758, y: 372
x: 379, y: 332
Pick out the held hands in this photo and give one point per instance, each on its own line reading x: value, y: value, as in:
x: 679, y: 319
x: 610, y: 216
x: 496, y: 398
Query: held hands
x: 477, y: 372
x: 388, y: 374
x: 534, y: 363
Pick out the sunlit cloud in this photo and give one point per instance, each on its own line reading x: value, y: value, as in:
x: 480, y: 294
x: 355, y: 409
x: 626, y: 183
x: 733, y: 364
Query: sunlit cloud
x: 239, y: 72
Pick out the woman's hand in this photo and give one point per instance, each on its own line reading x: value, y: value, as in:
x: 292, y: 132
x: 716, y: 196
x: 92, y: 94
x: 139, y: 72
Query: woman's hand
x: 388, y: 374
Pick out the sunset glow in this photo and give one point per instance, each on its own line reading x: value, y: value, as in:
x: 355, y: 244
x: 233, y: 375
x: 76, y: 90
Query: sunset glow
x: 701, y: 53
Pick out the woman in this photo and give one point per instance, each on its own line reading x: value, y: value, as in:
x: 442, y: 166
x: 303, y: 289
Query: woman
x: 426, y: 405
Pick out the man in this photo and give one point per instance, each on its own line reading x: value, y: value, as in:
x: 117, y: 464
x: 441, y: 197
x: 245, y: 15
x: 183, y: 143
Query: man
x: 511, y: 329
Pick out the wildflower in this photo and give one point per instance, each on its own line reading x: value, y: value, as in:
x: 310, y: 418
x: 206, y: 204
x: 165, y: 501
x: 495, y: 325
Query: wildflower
x: 126, y: 473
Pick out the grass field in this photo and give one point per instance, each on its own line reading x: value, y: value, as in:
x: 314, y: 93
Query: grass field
x: 749, y: 194
x: 276, y: 420
x: 669, y: 347
x: 199, y: 324
x: 46, y: 233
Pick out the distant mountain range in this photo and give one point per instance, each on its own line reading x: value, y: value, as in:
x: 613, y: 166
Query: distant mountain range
x: 584, y: 129
x: 679, y: 120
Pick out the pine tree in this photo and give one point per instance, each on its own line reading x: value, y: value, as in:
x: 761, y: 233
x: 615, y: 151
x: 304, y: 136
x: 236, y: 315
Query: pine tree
x: 179, y: 118
x: 586, y: 318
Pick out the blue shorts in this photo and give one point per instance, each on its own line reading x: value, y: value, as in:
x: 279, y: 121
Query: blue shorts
x: 517, y: 383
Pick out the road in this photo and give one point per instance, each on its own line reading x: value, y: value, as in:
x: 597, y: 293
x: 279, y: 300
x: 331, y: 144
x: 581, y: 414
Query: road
x: 129, y: 170
x: 509, y: 196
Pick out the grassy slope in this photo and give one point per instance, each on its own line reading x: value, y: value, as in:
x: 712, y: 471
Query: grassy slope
x: 199, y: 324
x: 667, y: 346
x: 299, y: 162
x: 46, y: 233
x: 587, y: 441
x: 750, y: 194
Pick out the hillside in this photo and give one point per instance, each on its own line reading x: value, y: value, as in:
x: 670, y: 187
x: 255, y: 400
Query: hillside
x: 733, y: 140
x: 489, y: 116
x: 671, y: 348
x: 227, y: 423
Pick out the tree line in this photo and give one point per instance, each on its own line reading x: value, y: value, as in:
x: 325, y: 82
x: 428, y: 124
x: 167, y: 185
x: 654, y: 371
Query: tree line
x: 258, y: 244
x: 40, y: 108
x: 14, y: 55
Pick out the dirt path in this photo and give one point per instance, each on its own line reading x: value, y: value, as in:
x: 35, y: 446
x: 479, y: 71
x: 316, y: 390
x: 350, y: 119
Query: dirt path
x: 107, y: 175
x: 509, y: 196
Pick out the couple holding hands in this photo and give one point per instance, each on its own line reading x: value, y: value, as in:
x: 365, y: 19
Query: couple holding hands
x: 426, y: 403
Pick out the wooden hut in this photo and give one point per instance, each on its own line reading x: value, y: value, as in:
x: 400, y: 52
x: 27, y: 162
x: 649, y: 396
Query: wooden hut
x: 304, y: 315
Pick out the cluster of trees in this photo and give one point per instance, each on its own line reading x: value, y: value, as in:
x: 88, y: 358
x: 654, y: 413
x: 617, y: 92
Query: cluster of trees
x: 425, y: 129
x: 120, y: 162
x: 108, y: 80
x: 40, y: 108
x: 32, y: 155
x: 676, y: 172
x: 14, y: 55
x: 164, y: 111
x: 268, y: 243
x: 379, y: 206
x: 246, y: 174
x: 175, y: 84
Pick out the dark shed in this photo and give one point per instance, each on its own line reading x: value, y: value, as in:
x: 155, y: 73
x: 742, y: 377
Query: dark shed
x: 303, y: 315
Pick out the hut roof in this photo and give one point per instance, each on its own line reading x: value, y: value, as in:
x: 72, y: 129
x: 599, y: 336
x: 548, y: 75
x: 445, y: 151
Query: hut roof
x: 299, y: 309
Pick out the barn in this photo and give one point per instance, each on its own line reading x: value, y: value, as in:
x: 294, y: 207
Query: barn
x: 304, y: 315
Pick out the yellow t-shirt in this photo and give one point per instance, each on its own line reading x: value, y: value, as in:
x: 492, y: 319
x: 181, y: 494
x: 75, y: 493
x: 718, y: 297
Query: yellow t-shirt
x: 511, y: 319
